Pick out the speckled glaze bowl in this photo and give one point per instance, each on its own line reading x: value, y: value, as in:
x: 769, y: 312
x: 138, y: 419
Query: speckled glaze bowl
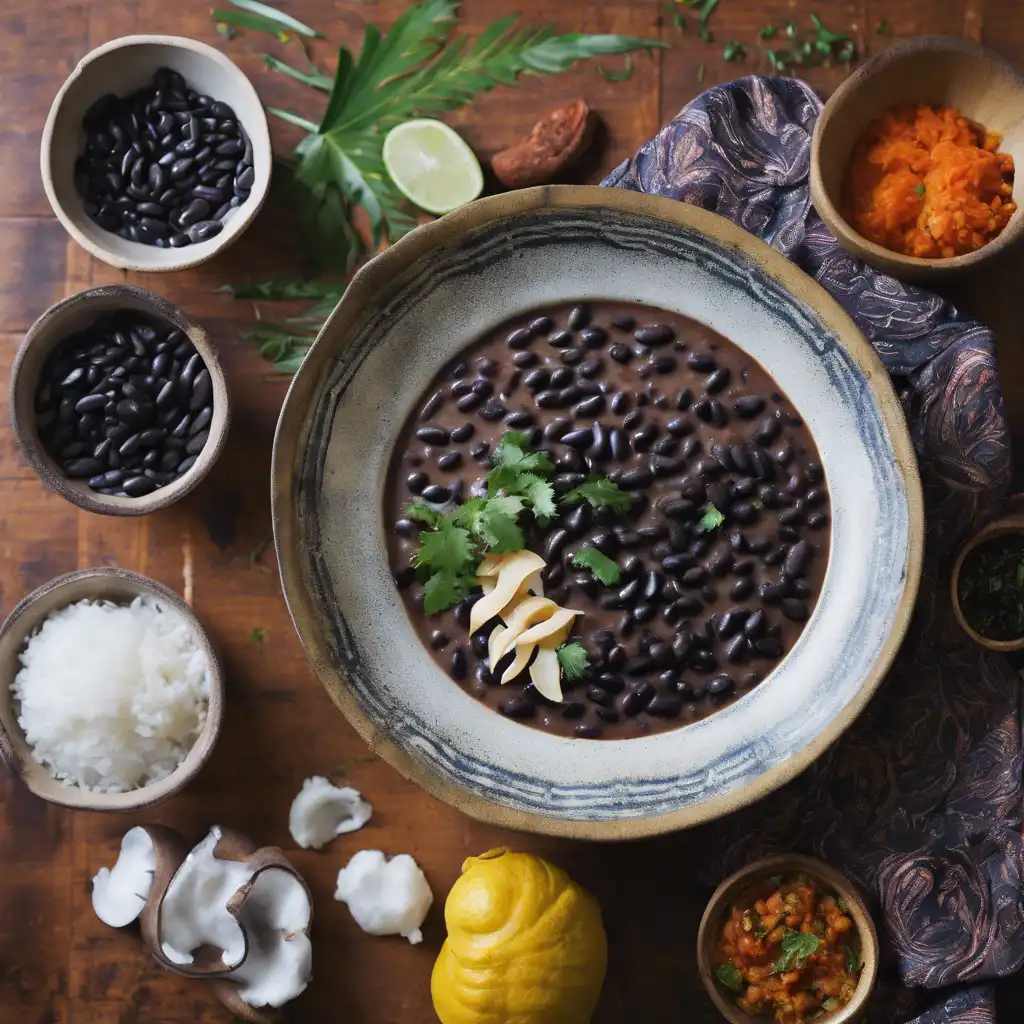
x: 409, y: 311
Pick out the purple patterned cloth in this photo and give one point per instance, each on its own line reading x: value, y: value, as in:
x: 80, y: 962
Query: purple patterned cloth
x: 920, y: 801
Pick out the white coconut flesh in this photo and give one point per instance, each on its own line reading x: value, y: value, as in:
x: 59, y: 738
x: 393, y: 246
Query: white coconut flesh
x: 195, y: 908
x: 275, y: 916
x: 119, y: 893
x: 322, y: 811
x: 385, y: 897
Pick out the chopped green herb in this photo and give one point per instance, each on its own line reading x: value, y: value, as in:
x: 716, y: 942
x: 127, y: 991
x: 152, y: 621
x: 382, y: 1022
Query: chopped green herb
x: 700, y: 74
x: 768, y: 32
x: 791, y: 29
x: 776, y: 62
x: 796, y: 948
x: 675, y: 14
x: 573, y: 660
x: 600, y: 492
x: 705, y: 8
x: 420, y: 512
x: 825, y: 45
x: 882, y: 28
x: 919, y: 189
x: 712, y: 519
x: 447, y: 548
x: 618, y: 76
x: 852, y: 960
x: 444, y: 589
x: 606, y: 570
x: 991, y: 588
x: 729, y: 977
x: 734, y: 51
x: 257, y: 634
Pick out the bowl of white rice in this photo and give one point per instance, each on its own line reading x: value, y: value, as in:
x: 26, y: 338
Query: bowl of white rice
x: 111, y: 695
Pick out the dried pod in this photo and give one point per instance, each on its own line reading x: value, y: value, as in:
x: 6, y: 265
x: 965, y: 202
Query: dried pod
x: 556, y: 142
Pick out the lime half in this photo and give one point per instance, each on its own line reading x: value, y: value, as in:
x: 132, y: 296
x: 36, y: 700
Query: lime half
x: 432, y: 166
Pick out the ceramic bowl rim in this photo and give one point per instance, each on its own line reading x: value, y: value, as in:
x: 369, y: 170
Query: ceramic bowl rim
x: 361, y: 293
x: 206, y: 741
x: 46, y: 468
x: 822, y: 199
x: 261, y: 138
x: 820, y: 871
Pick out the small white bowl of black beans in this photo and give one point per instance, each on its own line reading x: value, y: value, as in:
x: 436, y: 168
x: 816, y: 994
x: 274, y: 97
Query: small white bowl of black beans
x: 118, y: 401
x: 156, y: 153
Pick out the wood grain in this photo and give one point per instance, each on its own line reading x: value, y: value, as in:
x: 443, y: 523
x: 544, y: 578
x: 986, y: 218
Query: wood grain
x: 58, y: 964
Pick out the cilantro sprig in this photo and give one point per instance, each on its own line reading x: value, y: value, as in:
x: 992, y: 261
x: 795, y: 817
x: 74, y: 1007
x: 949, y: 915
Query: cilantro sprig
x: 572, y: 657
x: 607, y: 571
x: 712, y: 519
x: 796, y: 948
x: 455, y: 540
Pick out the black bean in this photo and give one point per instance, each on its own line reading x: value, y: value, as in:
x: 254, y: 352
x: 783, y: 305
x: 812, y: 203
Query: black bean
x: 795, y: 609
x: 468, y: 402
x: 637, y: 699
x: 519, y: 338
x: 590, y: 407
x: 721, y: 684
x: 717, y: 380
x: 653, y: 335
x: 436, y: 436
x: 560, y: 339
x: 196, y: 444
x: 797, y: 559
x: 450, y: 461
x: 137, y: 486
x: 816, y: 520
x: 436, y: 493
x: 579, y: 317
x: 597, y: 695
x: 665, y: 465
x: 635, y: 479
x: 621, y: 353
x: 578, y: 439
x: 644, y: 436
x: 554, y: 542
x: 525, y: 358
x: 768, y: 646
x: 541, y: 325
x: 186, y: 464
x: 205, y: 230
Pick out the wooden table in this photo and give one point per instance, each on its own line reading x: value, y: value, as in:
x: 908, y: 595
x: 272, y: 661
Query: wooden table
x: 57, y: 962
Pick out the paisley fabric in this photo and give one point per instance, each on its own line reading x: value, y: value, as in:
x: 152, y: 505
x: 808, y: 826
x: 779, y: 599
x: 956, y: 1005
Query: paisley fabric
x: 920, y: 801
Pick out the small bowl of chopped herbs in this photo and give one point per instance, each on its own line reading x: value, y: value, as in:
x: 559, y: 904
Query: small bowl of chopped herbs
x: 987, y: 585
x: 787, y: 938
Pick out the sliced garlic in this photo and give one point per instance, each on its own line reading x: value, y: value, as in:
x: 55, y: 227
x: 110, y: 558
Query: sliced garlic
x: 546, y: 674
x: 514, y: 571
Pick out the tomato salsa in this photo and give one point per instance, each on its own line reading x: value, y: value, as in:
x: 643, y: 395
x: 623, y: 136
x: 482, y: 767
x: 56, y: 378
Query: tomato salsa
x: 789, y: 950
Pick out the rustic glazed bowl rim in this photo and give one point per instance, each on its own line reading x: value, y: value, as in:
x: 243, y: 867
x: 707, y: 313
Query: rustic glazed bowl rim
x: 360, y: 294
x: 822, y: 198
x: 256, y: 118
x: 47, y: 469
x: 1002, y: 527
x: 56, y: 792
x: 821, y: 872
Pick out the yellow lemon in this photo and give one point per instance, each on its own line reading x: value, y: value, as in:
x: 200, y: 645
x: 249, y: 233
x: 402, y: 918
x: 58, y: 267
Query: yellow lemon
x: 525, y: 945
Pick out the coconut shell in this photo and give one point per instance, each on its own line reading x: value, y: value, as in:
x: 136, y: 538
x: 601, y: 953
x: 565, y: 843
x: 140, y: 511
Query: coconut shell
x: 227, y: 993
x: 556, y: 142
x: 171, y: 849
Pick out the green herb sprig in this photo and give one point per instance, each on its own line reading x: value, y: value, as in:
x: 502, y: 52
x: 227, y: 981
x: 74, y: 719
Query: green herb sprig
x: 796, y: 948
x: 808, y: 51
x: 729, y: 977
x: 573, y: 659
x: 603, y: 568
x: 416, y: 69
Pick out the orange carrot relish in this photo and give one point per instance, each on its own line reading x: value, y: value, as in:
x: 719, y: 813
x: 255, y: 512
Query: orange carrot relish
x: 789, y: 950
x: 927, y: 182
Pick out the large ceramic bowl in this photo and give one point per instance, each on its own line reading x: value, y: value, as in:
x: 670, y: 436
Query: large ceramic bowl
x: 408, y: 312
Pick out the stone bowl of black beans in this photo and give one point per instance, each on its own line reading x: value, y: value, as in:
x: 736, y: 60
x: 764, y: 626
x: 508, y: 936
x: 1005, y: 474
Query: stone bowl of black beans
x: 156, y: 153
x: 118, y: 401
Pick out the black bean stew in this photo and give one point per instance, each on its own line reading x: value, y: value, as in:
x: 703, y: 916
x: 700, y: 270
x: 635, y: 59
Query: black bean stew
x: 682, y: 419
x: 125, y: 404
x: 164, y: 166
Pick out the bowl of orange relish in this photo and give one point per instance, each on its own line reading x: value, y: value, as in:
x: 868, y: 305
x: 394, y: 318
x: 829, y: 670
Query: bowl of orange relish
x: 787, y: 939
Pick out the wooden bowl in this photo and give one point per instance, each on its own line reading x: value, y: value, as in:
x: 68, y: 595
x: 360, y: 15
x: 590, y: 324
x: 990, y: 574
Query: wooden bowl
x: 940, y: 71
x: 120, y: 586
x: 830, y: 880
x: 122, y: 66
x: 997, y: 528
x: 54, y: 326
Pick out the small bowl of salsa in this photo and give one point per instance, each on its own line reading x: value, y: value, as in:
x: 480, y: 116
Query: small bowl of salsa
x: 789, y: 940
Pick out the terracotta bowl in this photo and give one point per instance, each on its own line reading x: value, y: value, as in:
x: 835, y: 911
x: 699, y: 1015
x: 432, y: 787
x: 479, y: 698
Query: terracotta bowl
x: 447, y: 284
x: 831, y: 882
x: 940, y: 71
x: 64, y: 319
x: 122, y: 66
x: 1013, y: 524
x: 120, y: 586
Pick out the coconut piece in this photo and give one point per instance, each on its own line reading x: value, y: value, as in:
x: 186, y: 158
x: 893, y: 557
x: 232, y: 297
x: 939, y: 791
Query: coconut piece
x: 558, y: 621
x: 524, y: 615
x: 492, y: 641
x: 196, y: 933
x: 274, y: 910
x: 322, y: 811
x: 545, y: 674
x: 490, y: 564
x: 386, y: 897
x: 516, y: 665
x: 514, y: 571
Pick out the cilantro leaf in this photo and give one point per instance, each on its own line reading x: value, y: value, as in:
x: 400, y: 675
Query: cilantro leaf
x: 540, y: 494
x: 505, y: 504
x: 734, y: 51
x: 257, y: 634
x: 730, y: 977
x: 444, y: 589
x: 448, y: 549
x: 607, y: 571
x: 468, y: 514
x: 796, y: 948
x: 421, y: 512
x: 600, y: 492
x: 919, y: 189
x: 712, y: 519
x: 573, y: 660
x: 767, y: 32
x: 511, y: 449
x: 500, y: 532
x: 852, y: 960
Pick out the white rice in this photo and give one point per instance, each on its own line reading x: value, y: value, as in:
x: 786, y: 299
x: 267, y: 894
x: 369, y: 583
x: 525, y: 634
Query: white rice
x: 112, y: 697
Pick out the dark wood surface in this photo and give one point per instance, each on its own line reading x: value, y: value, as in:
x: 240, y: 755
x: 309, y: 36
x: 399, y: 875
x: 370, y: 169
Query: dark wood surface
x: 58, y: 964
